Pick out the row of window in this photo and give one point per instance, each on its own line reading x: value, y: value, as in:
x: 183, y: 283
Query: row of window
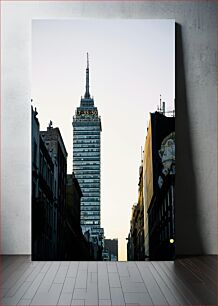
x: 84, y: 179
x: 86, y: 158
x: 90, y: 194
x: 86, y: 136
x: 82, y: 169
x: 90, y: 199
x: 90, y: 190
x: 92, y: 180
x: 85, y: 214
x: 83, y: 126
x: 84, y: 163
x: 87, y: 174
x: 87, y: 153
x: 90, y: 208
x: 81, y: 143
x: 86, y: 128
x: 89, y: 222
x: 95, y: 150
x: 89, y: 143
x: 84, y: 172
x: 90, y: 187
x: 84, y: 205
x: 94, y: 140
x: 93, y: 165
x: 90, y: 217
x: 89, y: 184
x: 87, y: 119
x: 88, y: 149
x: 96, y: 132
x: 81, y: 177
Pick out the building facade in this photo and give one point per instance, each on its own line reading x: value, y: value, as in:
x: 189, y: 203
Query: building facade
x: 56, y: 148
x: 43, y: 197
x: 111, y: 249
x: 87, y: 162
x: 159, y: 194
x: 152, y: 225
x: 49, y: 172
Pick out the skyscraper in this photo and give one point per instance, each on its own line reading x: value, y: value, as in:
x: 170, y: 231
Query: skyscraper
x: 86, y: 161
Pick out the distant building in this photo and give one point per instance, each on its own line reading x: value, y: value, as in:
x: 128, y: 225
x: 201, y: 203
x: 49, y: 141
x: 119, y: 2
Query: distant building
x: 111, y: 248
x: 105, y: 255
x: 130, y: 245
x: 77, y: 247
x: 135, y: 245
x: 74, y: 195
x: 87, y: 164
x: 159, y: 181
x: 140, y: 217
x: 114, y: 258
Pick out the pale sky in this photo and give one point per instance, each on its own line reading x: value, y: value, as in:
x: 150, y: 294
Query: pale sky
x: 131, y: 63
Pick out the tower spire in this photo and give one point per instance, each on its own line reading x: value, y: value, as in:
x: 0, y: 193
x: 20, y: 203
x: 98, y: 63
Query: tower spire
x: 87, y: 94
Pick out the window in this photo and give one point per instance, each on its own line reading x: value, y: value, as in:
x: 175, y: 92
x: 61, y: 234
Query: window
x: 88, y: 222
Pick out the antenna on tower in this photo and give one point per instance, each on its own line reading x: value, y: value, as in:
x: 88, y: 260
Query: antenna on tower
x: 160, y: 103
x: 87, y: 60
x: 87, y: 94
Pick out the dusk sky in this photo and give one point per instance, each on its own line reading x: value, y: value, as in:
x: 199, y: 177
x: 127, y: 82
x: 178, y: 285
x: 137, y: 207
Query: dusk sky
x: 131, y: 63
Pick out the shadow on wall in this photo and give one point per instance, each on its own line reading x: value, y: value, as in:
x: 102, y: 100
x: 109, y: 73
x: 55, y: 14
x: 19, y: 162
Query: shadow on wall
x: 187, y: 216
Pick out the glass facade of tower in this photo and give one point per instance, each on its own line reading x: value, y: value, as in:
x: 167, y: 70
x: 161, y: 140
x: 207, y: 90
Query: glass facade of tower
x: 86, y: 161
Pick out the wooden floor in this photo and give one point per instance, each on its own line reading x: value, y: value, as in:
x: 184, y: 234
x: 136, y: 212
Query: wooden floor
x: 188, y: 281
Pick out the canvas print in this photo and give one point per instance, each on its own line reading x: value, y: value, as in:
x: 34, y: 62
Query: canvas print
x: 103, y: 139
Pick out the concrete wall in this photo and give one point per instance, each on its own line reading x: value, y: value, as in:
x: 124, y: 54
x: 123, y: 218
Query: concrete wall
x: 196, y: 183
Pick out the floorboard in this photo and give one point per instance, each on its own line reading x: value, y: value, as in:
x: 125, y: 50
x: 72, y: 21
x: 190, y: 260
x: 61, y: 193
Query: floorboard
x: 187, y: 281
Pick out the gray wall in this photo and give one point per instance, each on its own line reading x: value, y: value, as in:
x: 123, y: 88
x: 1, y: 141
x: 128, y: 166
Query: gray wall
x: 196, y: 82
